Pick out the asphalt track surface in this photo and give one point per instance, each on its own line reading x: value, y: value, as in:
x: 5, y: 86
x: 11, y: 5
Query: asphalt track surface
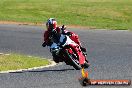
x: 110, y: 54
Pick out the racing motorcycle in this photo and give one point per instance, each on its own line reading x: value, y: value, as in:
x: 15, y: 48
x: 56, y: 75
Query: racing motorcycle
x: 68, y: 51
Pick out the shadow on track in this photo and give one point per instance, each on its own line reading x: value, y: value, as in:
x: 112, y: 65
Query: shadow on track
x: 47, y: 70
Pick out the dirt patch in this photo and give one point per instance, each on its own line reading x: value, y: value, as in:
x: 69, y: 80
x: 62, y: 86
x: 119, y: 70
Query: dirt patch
x: 42, y: 24
x: 20, y: 23
x: 80, y: 27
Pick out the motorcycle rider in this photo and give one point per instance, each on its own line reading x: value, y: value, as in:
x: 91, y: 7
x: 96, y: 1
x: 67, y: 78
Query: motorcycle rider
x: 51, y: 25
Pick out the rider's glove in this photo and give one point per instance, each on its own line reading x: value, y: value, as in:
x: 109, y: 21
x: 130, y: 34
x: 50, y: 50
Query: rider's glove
x: 69, y: 33
x: 63, y: 27
x: 44, y: 44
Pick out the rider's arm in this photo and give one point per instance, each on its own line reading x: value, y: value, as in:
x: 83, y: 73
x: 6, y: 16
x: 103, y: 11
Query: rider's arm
x: 46, y: 39
x: 65, y: 32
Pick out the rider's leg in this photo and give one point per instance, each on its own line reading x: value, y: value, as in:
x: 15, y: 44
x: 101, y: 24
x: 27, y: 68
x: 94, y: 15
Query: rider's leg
x: 75, y: 38
x: 54, y: 49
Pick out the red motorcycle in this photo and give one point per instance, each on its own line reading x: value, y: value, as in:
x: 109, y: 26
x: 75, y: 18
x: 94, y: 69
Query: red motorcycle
x: 69, y: 52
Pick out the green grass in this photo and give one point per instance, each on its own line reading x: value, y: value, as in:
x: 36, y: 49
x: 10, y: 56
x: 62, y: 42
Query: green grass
x: 17, y: 61
x: 108, y: 14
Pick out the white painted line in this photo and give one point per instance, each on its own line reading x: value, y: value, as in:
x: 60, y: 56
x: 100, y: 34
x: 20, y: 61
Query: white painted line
x: 1, y: 53
x: 7, y: 54
x: 20, y: 70
x: 29, y: 56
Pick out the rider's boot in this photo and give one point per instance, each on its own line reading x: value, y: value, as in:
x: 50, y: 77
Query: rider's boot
x: 55, y: 60
x: 83, y: 49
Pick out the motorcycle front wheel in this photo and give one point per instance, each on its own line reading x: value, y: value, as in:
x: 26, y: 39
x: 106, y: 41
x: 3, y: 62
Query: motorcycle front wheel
x: 74, y: 60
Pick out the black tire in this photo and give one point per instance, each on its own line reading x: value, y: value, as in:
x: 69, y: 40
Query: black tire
x: 86, y: 82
